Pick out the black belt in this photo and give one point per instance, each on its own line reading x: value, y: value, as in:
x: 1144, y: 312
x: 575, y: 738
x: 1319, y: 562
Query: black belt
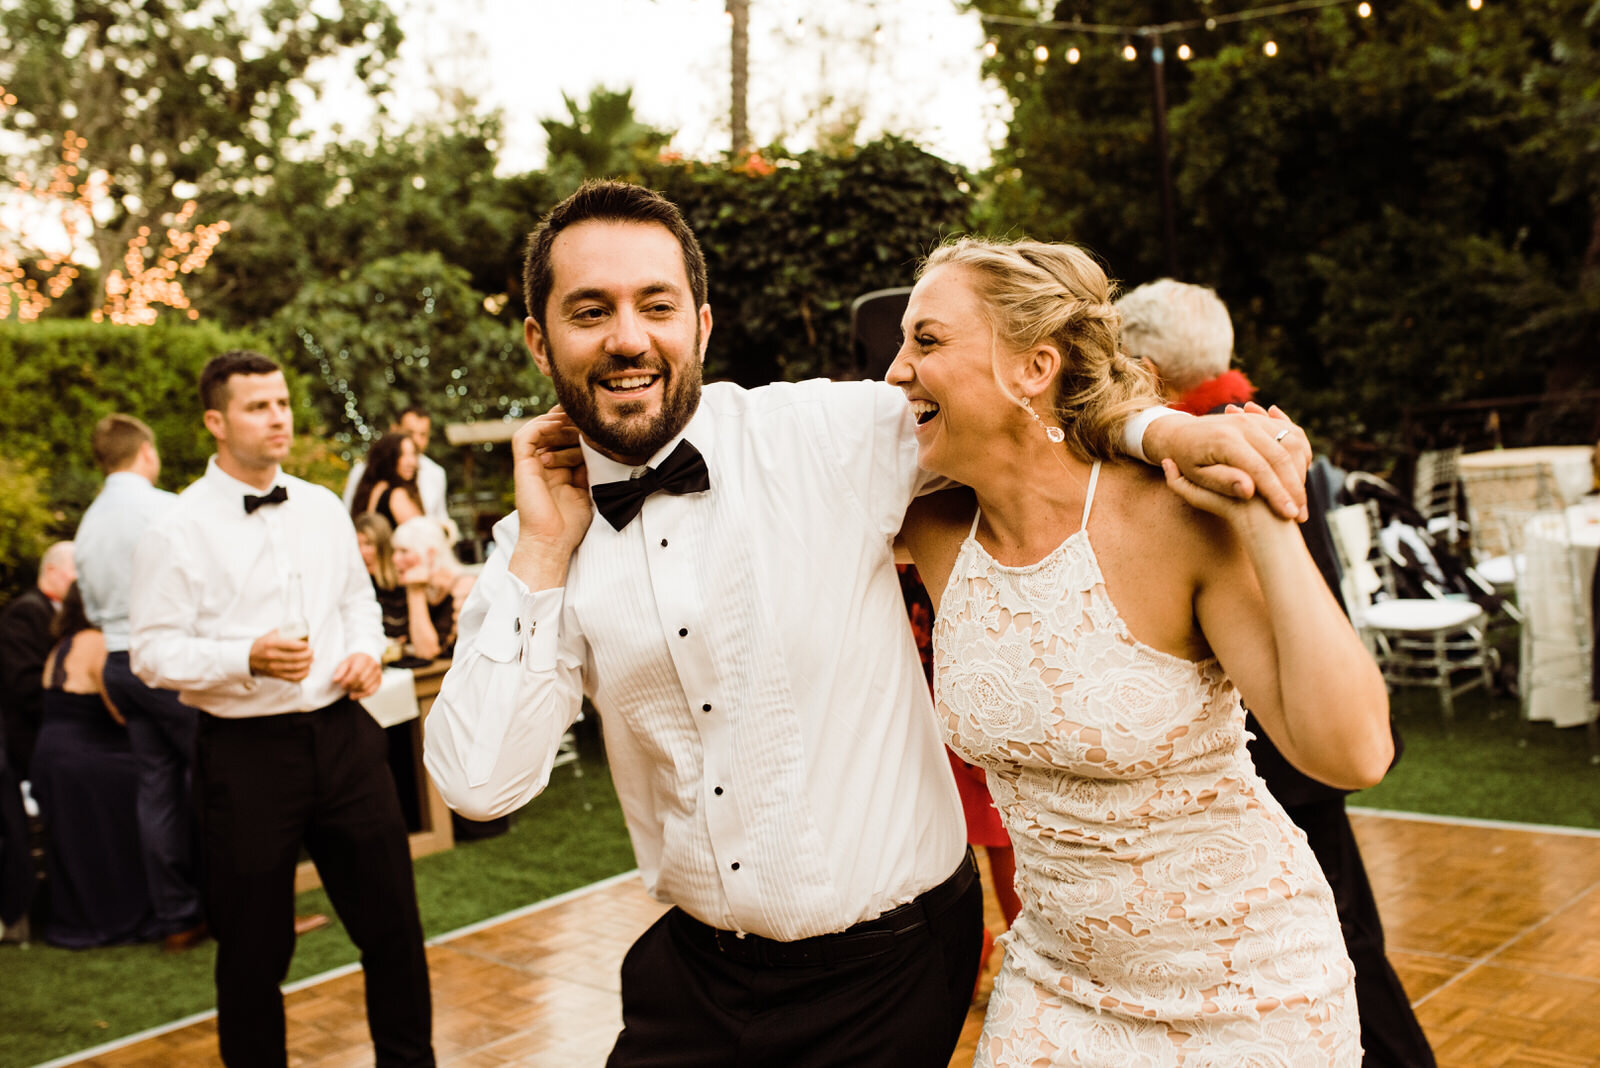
x: 865, y: 939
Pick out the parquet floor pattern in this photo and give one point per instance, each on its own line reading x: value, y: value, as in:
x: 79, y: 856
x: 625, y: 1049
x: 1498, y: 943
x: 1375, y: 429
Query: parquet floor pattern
x: 1495, y: 932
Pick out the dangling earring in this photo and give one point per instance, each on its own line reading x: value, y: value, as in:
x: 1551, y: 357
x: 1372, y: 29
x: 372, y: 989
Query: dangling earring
x: 1054, y: 433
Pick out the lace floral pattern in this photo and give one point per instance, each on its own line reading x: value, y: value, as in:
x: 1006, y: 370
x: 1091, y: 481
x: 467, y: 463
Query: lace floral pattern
x: 1172, y: 914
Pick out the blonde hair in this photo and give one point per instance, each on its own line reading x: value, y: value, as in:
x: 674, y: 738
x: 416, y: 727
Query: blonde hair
x: 424, y: 532
x: 1037, y: 292
x: 377, y: 528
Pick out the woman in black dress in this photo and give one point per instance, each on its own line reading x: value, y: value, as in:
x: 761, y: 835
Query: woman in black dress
x: 389, y: 484
x: 86, y: 780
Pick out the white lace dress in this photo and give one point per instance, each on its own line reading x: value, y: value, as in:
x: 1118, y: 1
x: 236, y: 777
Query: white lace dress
x: 1171, y: 912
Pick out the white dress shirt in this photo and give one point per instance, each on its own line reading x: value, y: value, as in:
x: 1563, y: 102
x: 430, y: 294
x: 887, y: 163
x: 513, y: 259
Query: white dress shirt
x: 430, y: 485
x: 766, y: 717
x: 209, y: 580
x: 103, y: 549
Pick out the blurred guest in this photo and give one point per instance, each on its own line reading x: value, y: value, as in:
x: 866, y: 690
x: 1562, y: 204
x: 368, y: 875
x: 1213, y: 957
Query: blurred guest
x: 249, y: 598
x: 24, y: 644
x: 1184, y: 331
x: 389, y: 484
x: 160, y: 727
x: 436, y: 586
x: 415, y: 422
x: 86, y: 779
x: 376, y: 538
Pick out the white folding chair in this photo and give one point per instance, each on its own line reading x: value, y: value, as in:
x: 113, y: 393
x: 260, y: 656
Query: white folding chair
x: 1557, y: 642
x: 1436, y: 492
x: 1417, y: 641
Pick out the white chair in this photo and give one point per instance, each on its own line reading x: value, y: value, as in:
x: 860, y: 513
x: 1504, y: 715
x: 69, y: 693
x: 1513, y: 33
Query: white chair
x: 1436, y: 492
x: 1417, y: 641
x: 1557, y: 642
x: 1493, y: 492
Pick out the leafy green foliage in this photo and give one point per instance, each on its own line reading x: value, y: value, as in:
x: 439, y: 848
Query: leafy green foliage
x: 431, y: 188
x: 26, y: 520
x: 789, y: 247
x: 1399, y: 211
x: 602, y: 140
x: 406, y: 329
x: 172, y: 91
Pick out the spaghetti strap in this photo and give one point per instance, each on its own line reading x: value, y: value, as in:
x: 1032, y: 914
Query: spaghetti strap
x: 976, y: 515
x: 1088, y: 499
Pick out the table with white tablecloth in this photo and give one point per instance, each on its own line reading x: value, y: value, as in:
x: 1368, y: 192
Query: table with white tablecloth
x: 1559, y: 554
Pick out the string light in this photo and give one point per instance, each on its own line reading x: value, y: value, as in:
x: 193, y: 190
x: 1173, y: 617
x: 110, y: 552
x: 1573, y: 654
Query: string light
x: 1184, y: 52
x: 1475, y: 4
x: 990, y: 48
x: 1040, y: 54
x: 1270, y: 48
x: 1364, y: 10
x: 1130, y: 53
x: 1073, y: 55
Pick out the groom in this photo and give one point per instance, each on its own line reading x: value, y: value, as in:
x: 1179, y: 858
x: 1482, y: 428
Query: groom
x: 735, y: 613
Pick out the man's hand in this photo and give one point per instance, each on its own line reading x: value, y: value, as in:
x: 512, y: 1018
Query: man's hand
x: 1239, y: 454
x: 359, y: 674
x: 553, y: 506
x: 280, y: 658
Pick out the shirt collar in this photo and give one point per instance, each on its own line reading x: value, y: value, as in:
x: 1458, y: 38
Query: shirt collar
x: 227, y: 485
x: 118, y: 479
x: 698, y: 432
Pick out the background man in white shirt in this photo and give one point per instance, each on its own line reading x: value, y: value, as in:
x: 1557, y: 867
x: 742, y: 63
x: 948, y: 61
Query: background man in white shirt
x: 416, y: 422
x: 251, y: 600
x: 742, y: 632
x: 160, y: 727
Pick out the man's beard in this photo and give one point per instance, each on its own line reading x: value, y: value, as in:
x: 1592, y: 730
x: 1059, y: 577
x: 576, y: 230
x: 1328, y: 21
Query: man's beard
x: 630, y: 436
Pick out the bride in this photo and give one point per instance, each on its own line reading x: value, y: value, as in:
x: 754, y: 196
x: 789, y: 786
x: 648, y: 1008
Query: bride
x: 1096, y: 634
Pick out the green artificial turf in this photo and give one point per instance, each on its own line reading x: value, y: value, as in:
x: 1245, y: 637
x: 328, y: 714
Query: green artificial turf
x: 1490, y: 765
x: 56, y: 1001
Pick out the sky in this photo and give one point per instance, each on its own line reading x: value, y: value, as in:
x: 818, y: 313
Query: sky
x: 910, y: 67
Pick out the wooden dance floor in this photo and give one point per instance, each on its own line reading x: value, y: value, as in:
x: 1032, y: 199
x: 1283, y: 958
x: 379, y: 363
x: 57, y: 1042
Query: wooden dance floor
x: 1495, y: 931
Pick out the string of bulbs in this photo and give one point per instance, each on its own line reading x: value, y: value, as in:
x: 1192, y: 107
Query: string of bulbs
x: 1156, y: 31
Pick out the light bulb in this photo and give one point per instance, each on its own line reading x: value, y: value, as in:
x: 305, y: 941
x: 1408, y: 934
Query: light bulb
x: 1130, y: 53
x: 990, y: 48
x: 1183, y: 51
x: 1270, y: 48
x: 1073, y: 55
x: 1041, y: 53
x: 1364, y: 10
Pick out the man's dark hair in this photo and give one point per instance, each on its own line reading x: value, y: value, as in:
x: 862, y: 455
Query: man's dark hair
x: 413, y: 409
x: 116, y: 440
x: 611, y: 202
x: 214, y: 379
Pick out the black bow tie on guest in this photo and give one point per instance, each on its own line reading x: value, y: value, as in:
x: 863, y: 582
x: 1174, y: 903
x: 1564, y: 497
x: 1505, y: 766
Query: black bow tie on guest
x: 684, y: 471
x: 278, y: 495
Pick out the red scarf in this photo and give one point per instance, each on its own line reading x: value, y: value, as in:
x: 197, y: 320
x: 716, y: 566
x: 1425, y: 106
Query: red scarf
x: 1230, y: 387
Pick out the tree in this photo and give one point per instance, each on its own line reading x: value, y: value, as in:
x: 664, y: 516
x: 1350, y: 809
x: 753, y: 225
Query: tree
x: 171, y: 99
x: 430, y: 187
x: 739, y: 76
x: 1377, y: 204
x: 601, y: 140
x: 400, y: 330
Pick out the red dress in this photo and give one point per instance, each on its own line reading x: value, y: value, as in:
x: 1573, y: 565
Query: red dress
x: 983, y: 820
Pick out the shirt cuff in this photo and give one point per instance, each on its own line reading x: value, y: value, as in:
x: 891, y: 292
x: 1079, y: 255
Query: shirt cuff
x: 236, y: 659
x: 1133, y: 430
x: 519, y: 622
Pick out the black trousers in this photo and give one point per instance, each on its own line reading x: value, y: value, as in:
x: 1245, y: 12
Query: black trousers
x: 161, y: 732
x: 264, y: 787
x: 1390, y: 1034
x: 686, y: 1004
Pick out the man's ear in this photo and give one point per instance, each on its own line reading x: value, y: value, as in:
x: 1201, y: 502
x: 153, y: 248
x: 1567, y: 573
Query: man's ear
x: 533, y: 337
x: 215, y: 423
x: 1040, y: 369
x: 705, y: 331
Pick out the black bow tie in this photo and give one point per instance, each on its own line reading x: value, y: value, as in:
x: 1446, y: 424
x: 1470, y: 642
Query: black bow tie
x: 682, y: 472
x: 278, y: 495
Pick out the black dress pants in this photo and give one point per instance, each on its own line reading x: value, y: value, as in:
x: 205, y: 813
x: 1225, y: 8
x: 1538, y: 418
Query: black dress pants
x: 1390, y: 1034
x: 687, y: 1005
x: 264, y: 787
x: 161, y: 732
